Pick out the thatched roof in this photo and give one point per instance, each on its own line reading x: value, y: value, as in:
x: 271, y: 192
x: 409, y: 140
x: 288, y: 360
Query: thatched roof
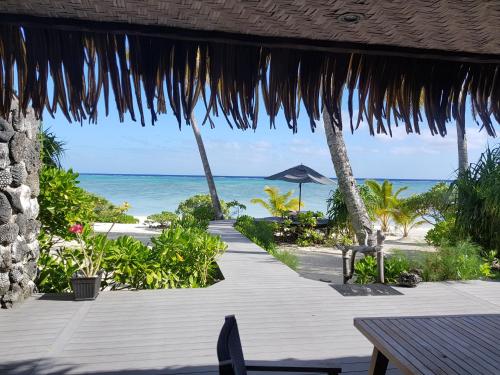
x: 401, y: 62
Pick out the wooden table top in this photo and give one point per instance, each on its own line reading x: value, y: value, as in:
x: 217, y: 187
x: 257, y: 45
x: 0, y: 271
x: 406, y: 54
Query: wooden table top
x: 459, y: 344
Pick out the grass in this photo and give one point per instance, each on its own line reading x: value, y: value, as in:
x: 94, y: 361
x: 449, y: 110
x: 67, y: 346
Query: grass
x: 262, y: 234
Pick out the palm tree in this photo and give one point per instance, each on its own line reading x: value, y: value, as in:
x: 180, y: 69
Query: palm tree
x: 463, y: 160
x: 407, y: 219
x: 278, y: 204
x: 386, y: 201
x: 360, y: 219
x: 51, y: 148
x: 208, y: 173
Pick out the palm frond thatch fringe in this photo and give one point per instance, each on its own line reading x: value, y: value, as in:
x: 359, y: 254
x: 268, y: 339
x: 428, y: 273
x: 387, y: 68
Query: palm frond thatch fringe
x: 229, y: 78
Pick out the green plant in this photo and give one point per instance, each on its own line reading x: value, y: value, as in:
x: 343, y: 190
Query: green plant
x: 442, y: 232
x: 365, y: 270
x: 278, y: 204
x: 262, y: 234
x: 62, y: 203
x: 259, y: 232
x: 56, y: 269
x: 407, y: 218
x: 189, y: 253
x: 305, y: 230
x: 478, y: 201
x: 453, y: 262
x: 200, y: 207
x: 235, y: 208
x: 434, y: 205
x: 386, y: 201
x: 338, y: 215
x: 394, y: 265
x: 163, y: 219
x: 51, y: 148
x: 92, y: 249
x: 106, y: 212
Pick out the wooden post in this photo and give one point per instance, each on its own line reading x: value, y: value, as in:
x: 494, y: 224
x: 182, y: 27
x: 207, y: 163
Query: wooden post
x: 345, y: 265
x: 380, y: 257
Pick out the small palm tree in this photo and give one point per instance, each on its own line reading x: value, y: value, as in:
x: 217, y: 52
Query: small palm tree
x: 278, y: 204
x: 51, y: 148
x: 386, y: 202
x: 407, y: 219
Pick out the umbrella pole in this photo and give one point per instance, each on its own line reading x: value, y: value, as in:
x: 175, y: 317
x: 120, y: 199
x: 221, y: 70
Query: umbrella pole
x: 300, y: 194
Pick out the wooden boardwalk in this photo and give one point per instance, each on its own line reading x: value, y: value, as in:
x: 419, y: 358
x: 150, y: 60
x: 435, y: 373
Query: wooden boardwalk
x: 283, y: 318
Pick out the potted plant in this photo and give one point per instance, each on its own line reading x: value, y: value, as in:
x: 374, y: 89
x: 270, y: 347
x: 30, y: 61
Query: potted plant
x: 86, y: 282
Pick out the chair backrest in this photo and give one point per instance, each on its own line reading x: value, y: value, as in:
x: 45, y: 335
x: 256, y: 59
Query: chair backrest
x: 229, y: 350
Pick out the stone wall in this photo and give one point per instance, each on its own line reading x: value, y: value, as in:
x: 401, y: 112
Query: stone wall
x: 19, y: 188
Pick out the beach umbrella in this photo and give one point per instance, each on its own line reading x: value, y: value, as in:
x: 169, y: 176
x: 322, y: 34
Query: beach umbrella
x: 301, y: 174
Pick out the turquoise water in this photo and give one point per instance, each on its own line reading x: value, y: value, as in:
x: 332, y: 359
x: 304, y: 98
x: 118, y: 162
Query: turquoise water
x: 151, y: 194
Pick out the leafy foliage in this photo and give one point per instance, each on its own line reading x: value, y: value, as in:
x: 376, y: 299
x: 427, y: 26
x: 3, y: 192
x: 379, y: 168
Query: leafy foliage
x: 407, y: 218
x: 163, y: 219
x: 278, y: 204
x: 51, y: 148
x: 180, y: 257
x: 338, y: 214
x: 435, y: 205
x: 478, y: 206
x: 442, y: 232
x: 62, y: 203
x: 200, y: 207
x: 453, y: 262
x: 386, y: 201
x: 365, y: 270
x: 262, y: 234
x: 106, y: 212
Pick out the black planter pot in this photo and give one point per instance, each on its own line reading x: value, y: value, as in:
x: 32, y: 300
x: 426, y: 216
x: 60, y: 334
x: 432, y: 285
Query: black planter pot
x: 86, y: 288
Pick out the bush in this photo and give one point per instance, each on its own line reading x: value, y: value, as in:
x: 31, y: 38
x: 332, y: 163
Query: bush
x: 62, y: 203
x: 453, y: 262
x: 340, y: 221
x: 106, y: 212
x: 164, y: 219
x: 442, y: 232
x: 180, y: 257
x: 395, y: 265
x: 478, y: 201
x: 200, y: 207
x: 435, y: 205
x: 262, y: 234
x: 365, y: 270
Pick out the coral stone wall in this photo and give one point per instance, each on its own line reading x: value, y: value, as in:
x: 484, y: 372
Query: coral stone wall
x: 19, y: 188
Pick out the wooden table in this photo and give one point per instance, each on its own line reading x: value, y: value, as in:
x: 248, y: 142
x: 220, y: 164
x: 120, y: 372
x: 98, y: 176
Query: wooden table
x: 460, y: 344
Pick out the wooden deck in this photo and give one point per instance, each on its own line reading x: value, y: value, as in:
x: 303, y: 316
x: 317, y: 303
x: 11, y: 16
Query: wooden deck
x: 283, y: 318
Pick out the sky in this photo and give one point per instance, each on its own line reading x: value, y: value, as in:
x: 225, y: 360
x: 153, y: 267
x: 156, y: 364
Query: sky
x: 113, y: 147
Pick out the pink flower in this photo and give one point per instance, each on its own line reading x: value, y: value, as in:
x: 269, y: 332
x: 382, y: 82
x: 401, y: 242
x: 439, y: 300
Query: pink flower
x: 77, y: 228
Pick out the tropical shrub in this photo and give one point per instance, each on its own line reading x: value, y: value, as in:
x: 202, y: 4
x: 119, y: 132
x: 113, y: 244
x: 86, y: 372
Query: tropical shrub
x: 180, y: 257
x: 56, y: 269
x: 163, y: 219
x: 51, y: 148
x: 305, y: 231
x: 235, y: 208
x: 434, y: 205
x: 107, y: 212
x: 200, y: 207
x: 62, y: 203
x: 442, y: 232
x: 386, y: 201
x: 365, y: 270
x: 262, y: 234
x: 453, y: 262
x: 478, y: 201
x: 278, y: 204
x: 338, y: 215
x: 405, y: 217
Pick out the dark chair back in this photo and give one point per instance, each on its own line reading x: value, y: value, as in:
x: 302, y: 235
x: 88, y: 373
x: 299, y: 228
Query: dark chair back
x: 229, y: 350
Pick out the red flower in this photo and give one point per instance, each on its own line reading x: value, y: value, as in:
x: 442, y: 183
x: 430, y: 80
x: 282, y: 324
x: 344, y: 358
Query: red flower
x: 77, y: 228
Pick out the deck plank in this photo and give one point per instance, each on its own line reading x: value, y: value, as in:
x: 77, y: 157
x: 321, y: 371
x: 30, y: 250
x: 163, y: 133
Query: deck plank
x: 283, y: 319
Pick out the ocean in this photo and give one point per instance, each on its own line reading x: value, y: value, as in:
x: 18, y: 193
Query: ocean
x: 148, y: 194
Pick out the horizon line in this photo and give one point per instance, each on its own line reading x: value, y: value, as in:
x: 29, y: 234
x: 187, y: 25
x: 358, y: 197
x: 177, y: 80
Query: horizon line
x: 242, y: 176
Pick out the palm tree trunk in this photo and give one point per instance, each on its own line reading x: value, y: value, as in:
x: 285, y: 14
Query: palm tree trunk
x: 463, y: 160
x: 347, y: 184
x: 208, y: 172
